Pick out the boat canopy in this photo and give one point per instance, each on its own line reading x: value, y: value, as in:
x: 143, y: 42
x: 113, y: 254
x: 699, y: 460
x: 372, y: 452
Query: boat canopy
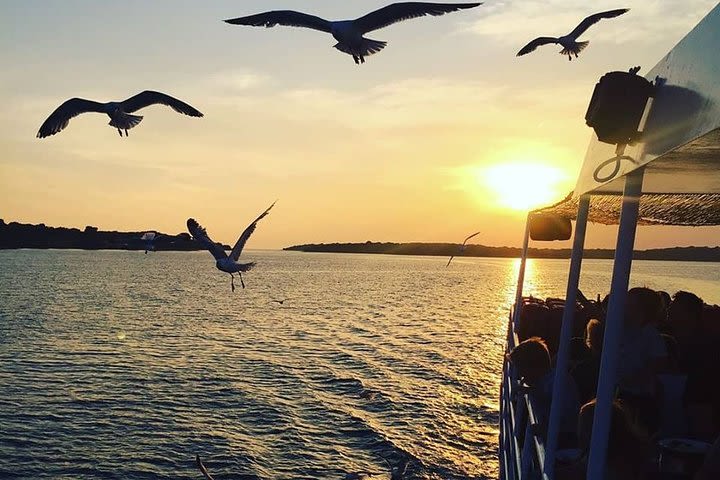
x: 670, y: 176
x: 684, y: 209
x: 679, y: 147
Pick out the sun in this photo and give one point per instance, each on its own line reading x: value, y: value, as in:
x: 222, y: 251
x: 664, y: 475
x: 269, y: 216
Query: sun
x: 522, y: 186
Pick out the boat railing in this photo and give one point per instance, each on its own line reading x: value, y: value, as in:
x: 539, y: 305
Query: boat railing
x: 522, y: 431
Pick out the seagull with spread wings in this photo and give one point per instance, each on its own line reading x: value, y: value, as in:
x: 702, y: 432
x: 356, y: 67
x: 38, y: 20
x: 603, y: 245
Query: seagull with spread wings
x: 462, y: 247
x: 119, y: 112
x: 569, y: 42
x: 224, y: 262
x: 349, y: 33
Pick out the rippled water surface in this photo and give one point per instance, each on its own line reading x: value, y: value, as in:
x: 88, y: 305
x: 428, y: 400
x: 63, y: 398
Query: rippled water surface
x: 124, y: 365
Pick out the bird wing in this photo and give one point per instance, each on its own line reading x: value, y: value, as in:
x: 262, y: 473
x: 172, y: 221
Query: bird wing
x: 202, y: 468
x: 200, y: 235
x: 451, y: 257
x: 289, y: 18
x: 397, y: 12
x: 470, y: 236
x: 593, y: 19
x: 149, y: 97
x: 148, y: 236
x: 235, y: 254
x: 60, y: 118
x: 536, y: 43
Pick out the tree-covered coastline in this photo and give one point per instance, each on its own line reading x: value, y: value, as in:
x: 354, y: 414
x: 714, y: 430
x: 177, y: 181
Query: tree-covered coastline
x: 701, y: 254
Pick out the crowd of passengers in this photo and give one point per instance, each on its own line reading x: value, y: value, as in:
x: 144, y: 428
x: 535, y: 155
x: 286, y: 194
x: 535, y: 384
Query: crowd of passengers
x: 667, y: 383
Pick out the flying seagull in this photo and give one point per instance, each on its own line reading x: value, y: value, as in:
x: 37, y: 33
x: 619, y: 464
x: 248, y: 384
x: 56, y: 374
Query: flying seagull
x: 149, y: 239
x: 119, y: 112
x: 202, y: 468
x: 569, y: 42
x: 349, y: 33
x: 223, y: 262
x: 462, y: 247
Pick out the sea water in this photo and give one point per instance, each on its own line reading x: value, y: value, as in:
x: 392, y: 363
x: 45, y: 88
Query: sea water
x: 126, y: 365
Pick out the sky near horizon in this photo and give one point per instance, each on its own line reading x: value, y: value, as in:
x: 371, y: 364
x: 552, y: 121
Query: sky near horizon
x: 443, y: 133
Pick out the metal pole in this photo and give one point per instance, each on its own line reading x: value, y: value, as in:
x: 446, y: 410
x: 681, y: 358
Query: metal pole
x: 563, y: 357
x: 521, y: 273
x: 614, y: 324
x: 528, y: 451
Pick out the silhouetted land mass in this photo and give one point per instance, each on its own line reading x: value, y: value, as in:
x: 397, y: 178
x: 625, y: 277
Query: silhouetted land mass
x: 22, y: 235
x: 695, y: 254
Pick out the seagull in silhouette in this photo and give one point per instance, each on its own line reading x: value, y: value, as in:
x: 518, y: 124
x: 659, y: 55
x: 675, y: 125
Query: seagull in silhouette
x: 223, y: 262
x: 569, y: 42
x: 279, y: 302
x: 349, y: 33
x: 462, y: 247
x: 119, y: 112
x: 149, y: 239
x: 202, y: 468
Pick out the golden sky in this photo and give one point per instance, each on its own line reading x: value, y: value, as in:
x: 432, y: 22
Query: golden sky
x: 444, y: 132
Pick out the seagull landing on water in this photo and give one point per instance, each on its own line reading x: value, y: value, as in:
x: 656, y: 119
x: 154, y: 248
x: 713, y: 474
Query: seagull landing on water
x: 569, y: 42
x: 349, y: 33
x: 119, y: 112
x: 149, y: 239
x: 223, y: 262
x: 462, y: 247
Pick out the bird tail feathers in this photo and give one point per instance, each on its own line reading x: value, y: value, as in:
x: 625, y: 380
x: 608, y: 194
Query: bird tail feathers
x: 125, y: 121
x: 367, y: 48
x: 575, y: 49
x: 244, y: 267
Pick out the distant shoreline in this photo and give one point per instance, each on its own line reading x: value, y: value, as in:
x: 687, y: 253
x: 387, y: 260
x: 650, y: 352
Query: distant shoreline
x: 16, y: 235
x: 687, y: 254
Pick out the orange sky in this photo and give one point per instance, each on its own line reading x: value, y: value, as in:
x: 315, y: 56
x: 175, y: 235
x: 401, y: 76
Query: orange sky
x: 419, y: 144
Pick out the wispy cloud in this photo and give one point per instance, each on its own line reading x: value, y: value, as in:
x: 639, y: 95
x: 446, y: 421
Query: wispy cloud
x: 424, y: 110
x: 234, y: 81
x: 411, y: 102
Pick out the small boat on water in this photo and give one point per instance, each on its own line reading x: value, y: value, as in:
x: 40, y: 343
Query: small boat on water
x: 654, y: 159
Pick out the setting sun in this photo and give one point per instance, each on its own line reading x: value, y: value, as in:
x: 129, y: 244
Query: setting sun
x: 523, y: 186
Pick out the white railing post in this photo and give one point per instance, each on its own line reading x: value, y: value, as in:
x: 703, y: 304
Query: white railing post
x: 528, y: 452
x: 563, y: 356
x: 502, y: 452
x: 510, y: 446
x: 521, y: 274
x: 614, y: 324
